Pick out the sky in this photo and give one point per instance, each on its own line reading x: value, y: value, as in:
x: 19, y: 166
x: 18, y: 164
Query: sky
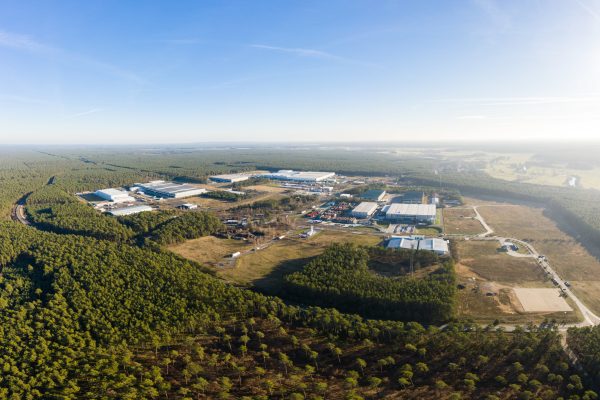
x: 124, y: 72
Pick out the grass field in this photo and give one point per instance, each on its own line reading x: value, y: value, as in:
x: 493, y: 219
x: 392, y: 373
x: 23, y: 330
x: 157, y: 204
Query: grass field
x: 217, y: 205
x: 265, y: 268
x: 461, y: 221
x: 483, y: 258
x: 209, y: 250
x: 565, y: 254
x: 509, y: 167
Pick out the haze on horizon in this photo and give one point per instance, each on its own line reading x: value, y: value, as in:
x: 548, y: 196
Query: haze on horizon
x: 179, y: 72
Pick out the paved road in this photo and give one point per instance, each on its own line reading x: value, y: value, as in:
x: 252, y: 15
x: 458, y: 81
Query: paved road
x: 18, y: 212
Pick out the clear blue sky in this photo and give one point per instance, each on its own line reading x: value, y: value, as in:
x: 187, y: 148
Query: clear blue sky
x: 100, y: 71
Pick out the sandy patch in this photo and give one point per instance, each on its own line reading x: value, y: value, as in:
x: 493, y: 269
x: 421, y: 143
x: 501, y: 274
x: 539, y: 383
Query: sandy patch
x: 541, y: 300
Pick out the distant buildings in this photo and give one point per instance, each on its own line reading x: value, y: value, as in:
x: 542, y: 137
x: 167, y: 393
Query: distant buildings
x: 170, y: 190
x: 373, y: 194
x: 114, y: 195
x: 364, y: 209
x: 438, y: 246
x: 231, y: 178
x: 129, y: 210
x: 411, y: 213
x: 299, y: 176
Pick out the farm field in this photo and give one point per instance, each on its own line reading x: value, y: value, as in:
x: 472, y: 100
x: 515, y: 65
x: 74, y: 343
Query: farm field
x: 461, y: 221
x: 569, y: 258
x: 209, y: 250
x: 265, y: 268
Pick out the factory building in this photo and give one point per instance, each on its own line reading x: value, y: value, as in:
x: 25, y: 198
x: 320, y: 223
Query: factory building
x: 410, y: 198
x: 129, y: 210
x: 364, y: 210
x: 114, y: 195
x: 231, y: 178
x: 299, y: 176
x: 438, y: 246
x: 170, y: 190
x: 373, y: 195
x: 411, y: 213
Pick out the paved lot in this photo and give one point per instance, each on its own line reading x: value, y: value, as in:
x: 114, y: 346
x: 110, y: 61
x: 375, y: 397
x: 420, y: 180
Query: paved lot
x: 541, y: 300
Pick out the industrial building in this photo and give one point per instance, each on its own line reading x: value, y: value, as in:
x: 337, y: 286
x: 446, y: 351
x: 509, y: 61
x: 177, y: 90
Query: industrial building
x: 438, y: 246
x: 411, y: 213
x: 114, y: 195
x: 412, y: 197
x: 299, y: 176
x: 231, y: 178
x: 170, y: 190
x: 373, y: 194
x: 129, y: 210
x: 364, y: 209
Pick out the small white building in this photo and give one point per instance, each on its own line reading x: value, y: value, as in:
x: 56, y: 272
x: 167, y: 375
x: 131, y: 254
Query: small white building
x: 364, y: 209
x: 114, y: 195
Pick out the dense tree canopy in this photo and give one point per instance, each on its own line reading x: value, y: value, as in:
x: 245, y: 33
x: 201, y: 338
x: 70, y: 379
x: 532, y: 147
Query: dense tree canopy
x: 340, y: 278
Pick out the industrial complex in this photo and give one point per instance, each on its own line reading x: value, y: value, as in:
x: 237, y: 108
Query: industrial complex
x: 411, y: 213
x: 114, y: 195
x: 231, y: 178
x: 374, y: 195
x: 299, y: 176
x: 364, y: 210
x: 170, y: 190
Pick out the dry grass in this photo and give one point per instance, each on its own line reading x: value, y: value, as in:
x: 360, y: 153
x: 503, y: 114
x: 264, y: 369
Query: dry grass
x: 265, y: 268
x: 484, y: 259
x: 266, y: 188
x: 220, y: 205
x: 461, y: 221
x: 209, y: 250
x: 570, y: 259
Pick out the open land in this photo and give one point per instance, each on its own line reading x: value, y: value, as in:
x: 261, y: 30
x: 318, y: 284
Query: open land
x: 542, y: 300
x: 265, y: 268
x: 569, y: 258
x: 461, y: 221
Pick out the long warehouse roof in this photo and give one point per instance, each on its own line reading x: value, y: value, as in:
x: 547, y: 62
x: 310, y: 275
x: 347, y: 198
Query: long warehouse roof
x: 168, y: 187
x: 411, y: 209
x: 365, y: 207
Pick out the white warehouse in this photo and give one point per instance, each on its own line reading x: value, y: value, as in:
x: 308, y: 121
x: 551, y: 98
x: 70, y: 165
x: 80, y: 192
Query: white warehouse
x: 364, y: 209
x: 171, y: 190
x: 114, y: 195
x: 117, y: 212
x: 299, y: 176
x: 438, y: 246
x: 412, y: 213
